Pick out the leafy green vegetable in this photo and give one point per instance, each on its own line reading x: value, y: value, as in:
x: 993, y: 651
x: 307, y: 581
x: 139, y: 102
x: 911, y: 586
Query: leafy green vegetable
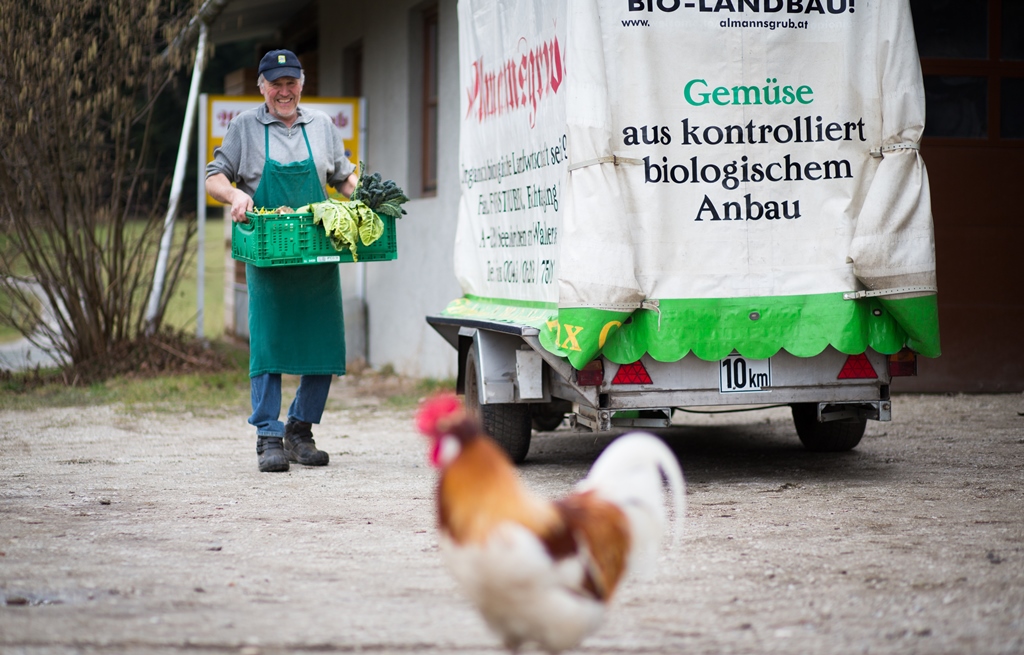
x: 371, y: 227
x: 346, y: 223
x: 382, y: 196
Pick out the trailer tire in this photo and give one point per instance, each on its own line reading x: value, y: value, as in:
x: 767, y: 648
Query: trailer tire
x: 507, y: 423
x: 546, y: 417
x: 546, y: 422
x: 830, y: 437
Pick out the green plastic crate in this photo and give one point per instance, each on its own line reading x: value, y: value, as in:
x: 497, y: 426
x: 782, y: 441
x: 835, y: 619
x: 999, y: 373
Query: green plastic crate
x: 293, y: 240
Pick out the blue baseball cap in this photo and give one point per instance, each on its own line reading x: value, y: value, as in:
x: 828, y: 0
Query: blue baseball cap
x: 280, y: 63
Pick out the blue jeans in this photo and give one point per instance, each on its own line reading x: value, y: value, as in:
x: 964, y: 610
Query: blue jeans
x: 308, y: 405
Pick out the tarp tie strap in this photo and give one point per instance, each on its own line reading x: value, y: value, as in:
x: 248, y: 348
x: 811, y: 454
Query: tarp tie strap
x: 878, y: 152
x: 654, y: 306
x: 854, y: 295
x: 604, y: 160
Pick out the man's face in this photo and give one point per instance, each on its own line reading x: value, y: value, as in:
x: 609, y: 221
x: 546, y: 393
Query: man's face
x: 282, y: 97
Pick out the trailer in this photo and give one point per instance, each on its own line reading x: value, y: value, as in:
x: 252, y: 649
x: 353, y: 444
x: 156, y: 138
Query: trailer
x: 668, y: 205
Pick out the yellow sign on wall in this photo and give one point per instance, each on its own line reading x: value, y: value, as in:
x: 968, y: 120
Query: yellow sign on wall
x: 344, y: 112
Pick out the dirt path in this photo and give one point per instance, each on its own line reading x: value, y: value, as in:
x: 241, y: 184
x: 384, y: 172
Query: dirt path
x: 155, y: 533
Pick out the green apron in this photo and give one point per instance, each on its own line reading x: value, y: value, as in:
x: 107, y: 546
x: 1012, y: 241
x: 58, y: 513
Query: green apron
x: 295, y: 316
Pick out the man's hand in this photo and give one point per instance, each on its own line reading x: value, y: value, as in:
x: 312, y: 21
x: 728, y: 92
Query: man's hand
x: 221, y: 190
x: 240, y: 203
x: 349, y: 185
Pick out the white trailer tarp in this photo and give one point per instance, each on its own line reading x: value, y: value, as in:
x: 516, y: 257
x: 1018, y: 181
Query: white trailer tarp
x: 657, y: 176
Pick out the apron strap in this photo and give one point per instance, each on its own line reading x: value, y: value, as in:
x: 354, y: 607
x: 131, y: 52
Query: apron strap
x: 266, y: 141
x: 306, y: 137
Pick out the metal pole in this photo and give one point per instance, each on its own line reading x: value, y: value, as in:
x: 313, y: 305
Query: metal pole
x: 201, y: 217
x: 178, y: 180
x: 361, y: 283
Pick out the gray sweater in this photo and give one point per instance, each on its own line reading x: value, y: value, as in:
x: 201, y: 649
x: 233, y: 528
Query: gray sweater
x: 241, y: 156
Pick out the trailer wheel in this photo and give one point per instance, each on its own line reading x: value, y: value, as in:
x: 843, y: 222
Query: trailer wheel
x: 546, y: 417
x: 507, y: 423
x: 831, y: 437
x: 547, y: 422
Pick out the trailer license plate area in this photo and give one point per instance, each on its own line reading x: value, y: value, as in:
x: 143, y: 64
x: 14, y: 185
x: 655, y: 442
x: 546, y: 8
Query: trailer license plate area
x: 741, y: 375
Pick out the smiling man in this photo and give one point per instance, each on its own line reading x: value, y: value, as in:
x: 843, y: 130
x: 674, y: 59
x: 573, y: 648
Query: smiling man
x: 282, y: 95
x: 283, y: 155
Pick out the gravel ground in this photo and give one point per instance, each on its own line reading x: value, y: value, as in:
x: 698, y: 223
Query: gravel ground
x: 152, y: 532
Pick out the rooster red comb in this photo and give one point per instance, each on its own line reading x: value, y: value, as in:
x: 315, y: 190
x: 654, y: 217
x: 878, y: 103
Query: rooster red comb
x: 434, y: 410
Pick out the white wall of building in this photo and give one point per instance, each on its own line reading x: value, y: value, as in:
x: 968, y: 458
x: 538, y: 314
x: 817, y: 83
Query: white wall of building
x: 401, y: 293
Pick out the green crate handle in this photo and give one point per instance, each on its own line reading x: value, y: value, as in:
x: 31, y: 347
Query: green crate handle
x: 247, y: 226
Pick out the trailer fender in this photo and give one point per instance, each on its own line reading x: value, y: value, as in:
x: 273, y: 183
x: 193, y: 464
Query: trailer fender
x: 507, y: 368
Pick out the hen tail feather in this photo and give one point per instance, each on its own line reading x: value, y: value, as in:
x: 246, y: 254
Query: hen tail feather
x: 629, y: 473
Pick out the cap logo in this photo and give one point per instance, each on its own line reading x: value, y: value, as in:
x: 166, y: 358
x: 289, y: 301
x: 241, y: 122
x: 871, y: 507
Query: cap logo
x: 281, y: 59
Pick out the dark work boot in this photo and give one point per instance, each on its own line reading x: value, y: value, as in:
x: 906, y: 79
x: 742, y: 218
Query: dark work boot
x: 299, y: 445
x: 271, y: 454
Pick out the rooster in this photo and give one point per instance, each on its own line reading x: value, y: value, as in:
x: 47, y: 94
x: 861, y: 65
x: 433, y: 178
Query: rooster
x: 542, y: 571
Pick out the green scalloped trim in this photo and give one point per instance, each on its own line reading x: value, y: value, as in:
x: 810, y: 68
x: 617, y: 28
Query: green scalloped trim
x: 515, y: 312
x: 712, y: 328
x: 920, y: 318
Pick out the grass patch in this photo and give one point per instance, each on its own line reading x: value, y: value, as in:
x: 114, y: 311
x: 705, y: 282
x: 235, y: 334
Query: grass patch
x: 206, y: 393
x: 197, y: 393
x: 182, y: 308
x: 383, y: 388
x: 418, y: 389
x: 191, y: 391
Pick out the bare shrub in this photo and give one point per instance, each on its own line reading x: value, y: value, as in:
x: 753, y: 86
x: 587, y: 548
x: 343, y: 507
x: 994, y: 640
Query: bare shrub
x: 81, y: 208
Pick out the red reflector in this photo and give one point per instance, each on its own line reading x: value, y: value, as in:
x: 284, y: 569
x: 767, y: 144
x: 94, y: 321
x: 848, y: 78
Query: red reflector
x: 591, y: 375
x: 857, y: 367
x: 634, y: 373
x: 903, y: 363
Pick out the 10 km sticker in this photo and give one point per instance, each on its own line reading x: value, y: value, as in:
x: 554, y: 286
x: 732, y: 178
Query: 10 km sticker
x: 740, y: 375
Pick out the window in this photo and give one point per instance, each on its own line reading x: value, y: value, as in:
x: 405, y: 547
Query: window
x: 352, y: 70
x: 956, y: 106
x: 429, y: 102
x: 956, y: 29
x: 972, y: 57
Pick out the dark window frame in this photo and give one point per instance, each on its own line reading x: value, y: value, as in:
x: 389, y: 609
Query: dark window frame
x: 429, y: 101
x: 352, y: 69
x: 994, y: 69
